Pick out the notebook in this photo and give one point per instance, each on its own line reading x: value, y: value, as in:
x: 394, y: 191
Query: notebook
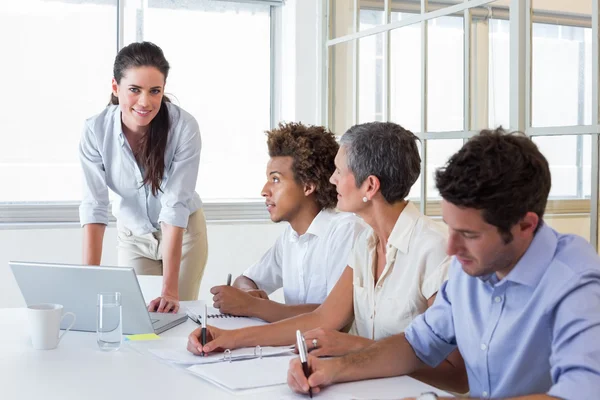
x: 246, y: 374
x: 220, y: 320
x: 180, y: 355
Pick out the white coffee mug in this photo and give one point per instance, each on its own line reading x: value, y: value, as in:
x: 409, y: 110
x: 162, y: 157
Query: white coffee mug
x: 44, y: 325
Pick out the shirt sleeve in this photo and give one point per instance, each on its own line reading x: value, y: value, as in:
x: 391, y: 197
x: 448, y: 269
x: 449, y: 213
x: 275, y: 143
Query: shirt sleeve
x: 182, y: 176
x: 575, y: 359
x: 432, y: 334
x: 341, y: 246
x: 437, y: 263
x: 94, y: 203
x: 267, y: 272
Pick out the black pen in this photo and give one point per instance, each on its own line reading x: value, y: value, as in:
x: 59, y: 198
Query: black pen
x: 228, y: 279
x: 303, y: 359
x: 203, y: 330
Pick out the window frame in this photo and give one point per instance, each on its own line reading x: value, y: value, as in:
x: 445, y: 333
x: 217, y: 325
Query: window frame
x: 66, y: 213
x: 521, y: 20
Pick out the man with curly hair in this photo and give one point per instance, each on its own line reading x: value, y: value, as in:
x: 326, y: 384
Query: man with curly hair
x: 522, y: 301
x: 309, y: 257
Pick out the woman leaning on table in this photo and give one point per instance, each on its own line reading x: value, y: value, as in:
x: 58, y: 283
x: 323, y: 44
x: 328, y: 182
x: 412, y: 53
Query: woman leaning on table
x: 147, y: 151
x: 394, y: 270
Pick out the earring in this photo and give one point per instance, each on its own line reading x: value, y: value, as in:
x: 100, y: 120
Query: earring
x: 365, y: 199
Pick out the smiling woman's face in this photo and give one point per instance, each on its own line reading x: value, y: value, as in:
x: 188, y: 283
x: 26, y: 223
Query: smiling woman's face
x: 140, y: 94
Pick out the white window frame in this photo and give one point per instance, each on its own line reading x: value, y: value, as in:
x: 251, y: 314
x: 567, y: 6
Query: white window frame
x: 24, y: 215
x: 520, y: 19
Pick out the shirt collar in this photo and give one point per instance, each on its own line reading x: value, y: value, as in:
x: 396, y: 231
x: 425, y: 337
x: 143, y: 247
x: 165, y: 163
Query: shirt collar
x: 403, y: 229
x: 318, y: 227
x: 117, y: 126
x: 537, y: 257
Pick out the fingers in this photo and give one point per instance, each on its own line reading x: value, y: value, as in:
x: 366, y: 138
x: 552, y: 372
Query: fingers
x: 153, y: 304
x: 216, y: 289
x: 161, y: 306
x: 295, y: 378
x: 193, y: 345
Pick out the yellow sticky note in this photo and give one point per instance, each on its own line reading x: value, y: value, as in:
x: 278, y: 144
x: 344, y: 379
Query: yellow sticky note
x: 143, y: 336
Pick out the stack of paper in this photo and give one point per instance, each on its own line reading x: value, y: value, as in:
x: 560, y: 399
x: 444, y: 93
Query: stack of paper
x: 246, y: 374
x: 182, y: 356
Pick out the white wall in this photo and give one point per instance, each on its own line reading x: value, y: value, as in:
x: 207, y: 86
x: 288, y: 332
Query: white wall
x: 232, y: 248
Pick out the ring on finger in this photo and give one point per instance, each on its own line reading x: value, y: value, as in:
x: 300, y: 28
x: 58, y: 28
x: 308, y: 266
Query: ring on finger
x: 314, y: 343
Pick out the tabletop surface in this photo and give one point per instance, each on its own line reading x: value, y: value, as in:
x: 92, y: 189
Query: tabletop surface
x: 79, y: 369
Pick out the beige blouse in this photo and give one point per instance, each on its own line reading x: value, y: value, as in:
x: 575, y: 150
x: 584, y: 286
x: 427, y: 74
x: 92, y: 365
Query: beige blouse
x: 416, y: 266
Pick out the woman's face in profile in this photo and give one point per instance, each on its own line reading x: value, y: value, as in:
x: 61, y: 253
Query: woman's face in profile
x: 349, y: 196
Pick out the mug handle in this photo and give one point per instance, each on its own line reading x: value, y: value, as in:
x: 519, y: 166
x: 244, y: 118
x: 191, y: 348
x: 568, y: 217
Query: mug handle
x: 70, y: 326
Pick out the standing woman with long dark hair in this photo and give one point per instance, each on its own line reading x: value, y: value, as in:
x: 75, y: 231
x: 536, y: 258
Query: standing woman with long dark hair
x: 147, y: 151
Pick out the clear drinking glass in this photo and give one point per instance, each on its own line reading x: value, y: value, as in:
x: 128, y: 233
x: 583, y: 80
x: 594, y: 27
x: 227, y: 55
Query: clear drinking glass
x: 109, y: 328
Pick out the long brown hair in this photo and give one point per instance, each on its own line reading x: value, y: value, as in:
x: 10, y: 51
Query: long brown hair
x: 154, y: 142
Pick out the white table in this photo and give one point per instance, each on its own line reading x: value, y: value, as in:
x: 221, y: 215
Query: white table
x: 77, y: 369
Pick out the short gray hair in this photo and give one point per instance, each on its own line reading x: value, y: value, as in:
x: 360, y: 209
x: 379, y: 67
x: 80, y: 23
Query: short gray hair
x: 387, y: 151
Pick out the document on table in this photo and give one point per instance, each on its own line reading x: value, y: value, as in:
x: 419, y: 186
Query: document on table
x: 180, y: 355
x: 225, y: 321
x: 245, y: 374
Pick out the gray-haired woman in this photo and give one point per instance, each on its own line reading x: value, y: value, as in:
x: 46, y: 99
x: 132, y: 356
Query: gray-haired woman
x: 395, y: 268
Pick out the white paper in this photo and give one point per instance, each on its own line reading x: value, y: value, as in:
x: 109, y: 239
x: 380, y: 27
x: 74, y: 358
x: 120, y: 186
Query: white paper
x: 226, y: 321
x: 246, y: 374
x: 182, y: 356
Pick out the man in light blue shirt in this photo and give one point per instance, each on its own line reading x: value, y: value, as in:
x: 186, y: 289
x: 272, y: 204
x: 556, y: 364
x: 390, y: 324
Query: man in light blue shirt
x: 522, y: 302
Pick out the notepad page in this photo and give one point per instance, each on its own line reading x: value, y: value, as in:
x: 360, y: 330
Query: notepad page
x: 227, y: 322
x: 182, y: 356
x: 246, y: 374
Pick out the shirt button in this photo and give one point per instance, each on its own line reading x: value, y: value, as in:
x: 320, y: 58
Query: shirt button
x: 484, y: 393
x: 483, y: 346
x: 498, y: 299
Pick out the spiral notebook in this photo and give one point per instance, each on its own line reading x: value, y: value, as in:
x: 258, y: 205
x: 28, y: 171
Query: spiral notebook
x: 220, y: 320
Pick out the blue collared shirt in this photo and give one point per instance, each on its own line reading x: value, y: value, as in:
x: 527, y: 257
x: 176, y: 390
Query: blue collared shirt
x: 108, y: 162
x: 535, y: 331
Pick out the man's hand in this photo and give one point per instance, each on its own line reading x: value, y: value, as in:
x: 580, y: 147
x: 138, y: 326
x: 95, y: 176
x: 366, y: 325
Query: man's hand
x: 217, y: 340
x: 333, y: 343
x: 323, y: 373
x: 230, y: 300
x: 261, y: 294
x: 164, y: 304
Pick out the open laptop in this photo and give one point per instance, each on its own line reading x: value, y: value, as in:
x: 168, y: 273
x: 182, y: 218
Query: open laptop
x: 76, y: 287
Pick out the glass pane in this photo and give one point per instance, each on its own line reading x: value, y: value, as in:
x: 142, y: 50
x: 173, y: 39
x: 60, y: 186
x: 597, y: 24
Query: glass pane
x: 415, y: 190
x: 405, y: 76
x: 57, y: 67
x: 445, y: 74
x: 230, y: 98
x: 438, y: 153
x: 370, y: 78
x: 499, y: 70
x: 341, y: 80
x: 371, y: 13
x: 341, y: 18
x: 561, y: 75
x: 565, y: 154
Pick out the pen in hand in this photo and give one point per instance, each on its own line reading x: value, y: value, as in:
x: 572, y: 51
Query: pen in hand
x: 203, y: 330
x: 228, y: 279
x: 303, y: 358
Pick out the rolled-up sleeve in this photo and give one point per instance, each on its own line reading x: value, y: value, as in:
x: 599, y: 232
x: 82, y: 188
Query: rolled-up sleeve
x: 575, y: 359
x: 432, y: 334
x: 180, y: 185
x: 95, y: 202
x: 267, y: 272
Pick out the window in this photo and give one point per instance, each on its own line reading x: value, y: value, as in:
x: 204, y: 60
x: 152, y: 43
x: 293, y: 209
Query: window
x: 62, y: 53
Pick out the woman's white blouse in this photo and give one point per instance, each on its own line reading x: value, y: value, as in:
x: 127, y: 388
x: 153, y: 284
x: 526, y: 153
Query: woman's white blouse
x: 108, y: 163
x: 416, y: 266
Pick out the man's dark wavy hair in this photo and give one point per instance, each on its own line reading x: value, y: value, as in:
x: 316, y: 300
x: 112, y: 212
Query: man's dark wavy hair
x: 503, y: 174
x: 313, y: 149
